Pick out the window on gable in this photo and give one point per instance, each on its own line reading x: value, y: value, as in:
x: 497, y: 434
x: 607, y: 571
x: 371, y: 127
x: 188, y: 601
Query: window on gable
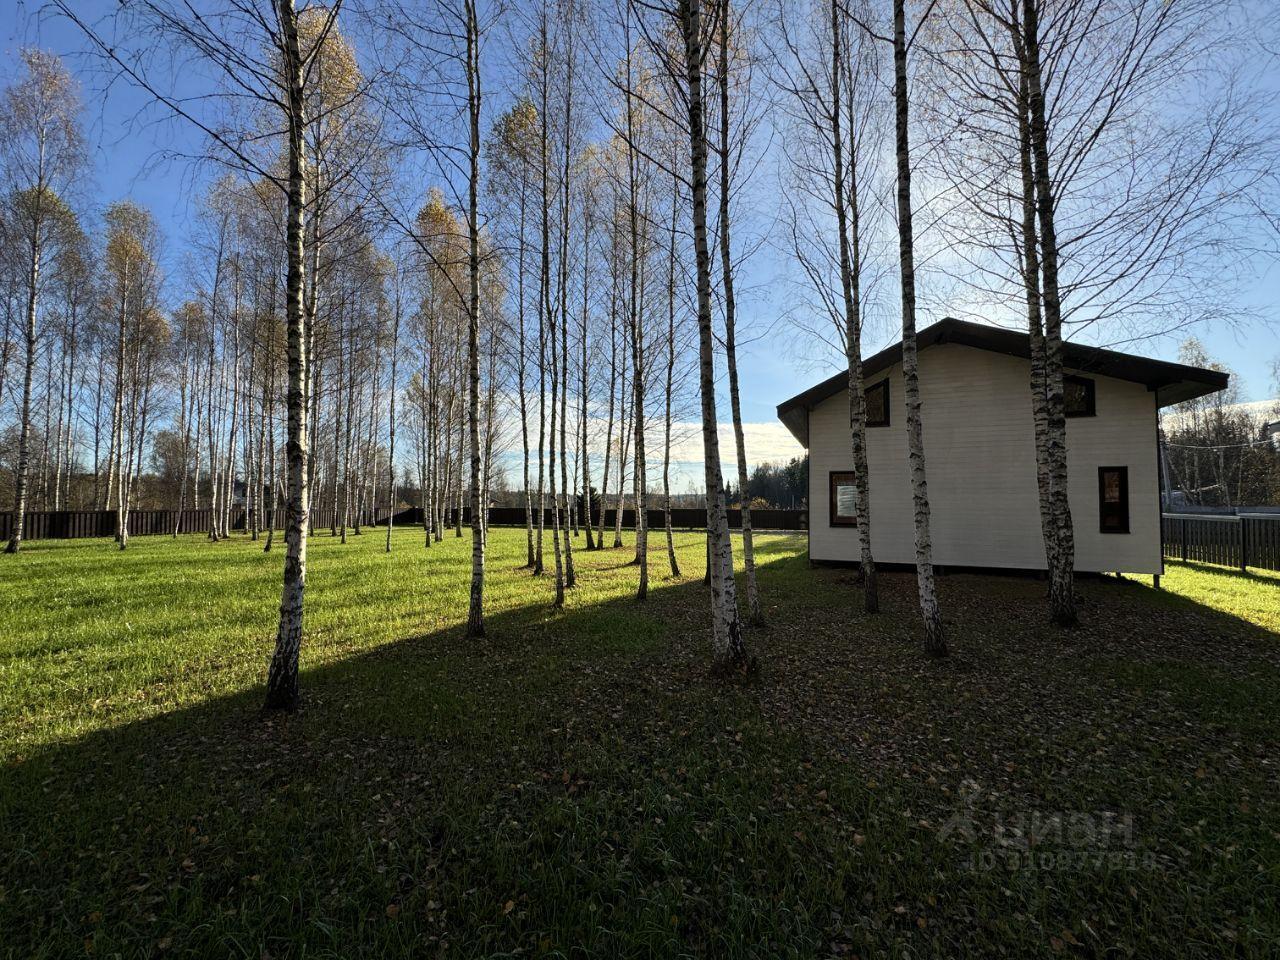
x: 1113, y: 499
x: 878, y: 404
x: 1078, y: 398
x: 843, y: 510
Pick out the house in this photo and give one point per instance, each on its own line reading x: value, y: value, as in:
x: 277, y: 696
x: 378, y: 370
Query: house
x: 1271, y: 432
x: 979, y: 442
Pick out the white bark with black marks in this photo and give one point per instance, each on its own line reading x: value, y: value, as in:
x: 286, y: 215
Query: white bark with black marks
x: 729, y: 649
x: 935, y: 644
x: 282, y: 679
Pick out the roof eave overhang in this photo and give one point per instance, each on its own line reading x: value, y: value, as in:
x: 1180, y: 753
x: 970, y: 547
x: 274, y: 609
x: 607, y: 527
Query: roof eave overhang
x: 1171, y: 382
x: 1179, y: 391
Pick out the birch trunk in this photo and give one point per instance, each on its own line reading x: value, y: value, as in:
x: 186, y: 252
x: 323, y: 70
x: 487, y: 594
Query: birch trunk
x: 729, y: 649
x: 520, y: 382
x: 636, y: 327
x: 184, y: 430
x: 755, y: 615
x: 116, y: 461
x: 71, y: 372
x: 475, y: 615
x: 391, y: 420
x: 1035, y: 325
x: 282, y: 679
x: 624, y: 447
x: 235, y: 413
x: 613, y: 374
x: 847, y: 225
x: 544, y: 295
x: 1062, y: 603
x: 269, y: 399
x: 570, y: 577
x: 935, y: 640
x: 584, y: 367
x: 28, y: 373
x: 551, y: 473
x: 671, y: 367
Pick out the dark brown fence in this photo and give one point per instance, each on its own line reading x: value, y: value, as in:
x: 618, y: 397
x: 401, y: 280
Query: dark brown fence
x: 72, y: 524
x: 682, y: 518
x: 1248, y: 540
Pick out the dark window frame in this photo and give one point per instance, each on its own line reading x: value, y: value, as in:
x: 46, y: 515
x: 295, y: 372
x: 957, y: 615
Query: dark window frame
x: 832, y: 518
x: 1122, y: 510
x: 883, y: 385
x: 1090, y: 396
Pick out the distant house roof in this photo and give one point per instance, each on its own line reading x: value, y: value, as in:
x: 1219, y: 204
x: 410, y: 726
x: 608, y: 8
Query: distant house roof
x: 1171, y: 382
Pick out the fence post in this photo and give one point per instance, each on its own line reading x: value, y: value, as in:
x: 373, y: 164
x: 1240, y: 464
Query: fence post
x: 1244, y: 540
x: 1184, y: 539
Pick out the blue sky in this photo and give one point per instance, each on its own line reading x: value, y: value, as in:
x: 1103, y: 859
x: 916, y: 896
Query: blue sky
x: 775, y: 361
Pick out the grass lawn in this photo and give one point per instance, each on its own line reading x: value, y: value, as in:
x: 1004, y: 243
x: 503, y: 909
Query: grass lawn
x: 577, y: 785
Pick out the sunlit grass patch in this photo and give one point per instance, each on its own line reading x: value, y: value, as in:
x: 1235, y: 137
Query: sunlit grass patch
x: 1253, y: 597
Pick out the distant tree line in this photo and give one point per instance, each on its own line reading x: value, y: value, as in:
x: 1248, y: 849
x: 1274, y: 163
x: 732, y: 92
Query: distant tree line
x: 782, y: 486
x: 1218, y: 452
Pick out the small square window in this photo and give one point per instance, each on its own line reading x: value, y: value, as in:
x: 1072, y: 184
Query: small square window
x: 1078, y: 397
x: 843, y: 510
x: 878, y: 404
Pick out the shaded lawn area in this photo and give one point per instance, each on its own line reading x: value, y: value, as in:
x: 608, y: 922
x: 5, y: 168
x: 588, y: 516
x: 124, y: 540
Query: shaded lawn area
x: 576, y: 785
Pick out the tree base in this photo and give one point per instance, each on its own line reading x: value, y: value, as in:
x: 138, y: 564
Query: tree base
x: 1064, y: 619
x: 736, y: 668
x: 282, y: 701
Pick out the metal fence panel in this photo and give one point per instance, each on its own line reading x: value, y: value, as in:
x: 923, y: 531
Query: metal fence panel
x: 1241, y: 541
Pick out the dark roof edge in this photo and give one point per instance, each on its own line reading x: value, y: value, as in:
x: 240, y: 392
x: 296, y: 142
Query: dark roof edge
x: 1154, y: 374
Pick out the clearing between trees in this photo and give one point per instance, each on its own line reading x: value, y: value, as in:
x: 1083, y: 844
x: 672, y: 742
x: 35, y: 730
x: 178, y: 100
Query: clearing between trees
x: 574, y: 783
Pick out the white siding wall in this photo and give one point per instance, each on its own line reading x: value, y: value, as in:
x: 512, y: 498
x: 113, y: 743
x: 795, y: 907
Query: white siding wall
x: 980, y: 453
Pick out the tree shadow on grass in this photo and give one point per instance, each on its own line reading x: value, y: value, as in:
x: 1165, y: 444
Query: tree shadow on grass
x: 574, y: 784
x: 217, y: 830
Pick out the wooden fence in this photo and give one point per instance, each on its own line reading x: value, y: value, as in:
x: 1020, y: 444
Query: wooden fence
x: 71, y: 524
x: 682, y: 518
x: 1247, y: 540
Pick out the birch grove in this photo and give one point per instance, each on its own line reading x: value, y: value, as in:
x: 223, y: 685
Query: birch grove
x: 449, y: 256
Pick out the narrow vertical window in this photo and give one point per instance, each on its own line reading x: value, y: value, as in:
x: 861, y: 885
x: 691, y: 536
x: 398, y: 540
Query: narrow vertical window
x: 844, y: 499
x: 1113, y: 499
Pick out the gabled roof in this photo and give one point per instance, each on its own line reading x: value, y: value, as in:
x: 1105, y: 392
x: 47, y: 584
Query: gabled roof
x: 1170, y: 382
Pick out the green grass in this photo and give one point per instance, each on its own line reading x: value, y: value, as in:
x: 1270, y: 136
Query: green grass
x: 576, y: 784
x: 1252, y: 596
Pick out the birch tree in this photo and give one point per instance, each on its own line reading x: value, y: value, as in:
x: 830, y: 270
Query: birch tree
x: 728, y: 157
x: 828, y: 71
x: 1069, y: 99
x: 729, y: 649
x: 512, y: 152
x: 935, y: 640
x: 42, y: 153
x: 227, y: 40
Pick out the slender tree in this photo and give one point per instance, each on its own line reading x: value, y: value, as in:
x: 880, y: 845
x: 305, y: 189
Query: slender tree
x: 729, y: 649
x: 726, y: 153
x: 935, y: 640
x: 42, y: 151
